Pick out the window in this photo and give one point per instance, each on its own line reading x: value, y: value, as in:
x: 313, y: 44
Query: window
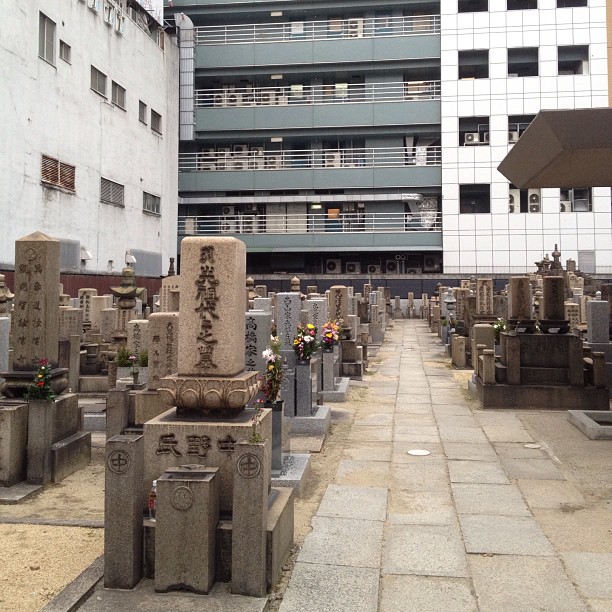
x: 523, y: 62
x: 571, y: 3
x: 98, y: 81
x: 111, y: 193
x: 523, y: 200
x: 474, y: 199
x: 517, y: 124
x: 118, y: 95
x: 65, y: 52
x: 474, y: 64
x: 473, y: 6
x: 151, y: 203
x: 473, y: 131
x: 57, y: 173
x: 575, y: 200
x: 521, y: 5
x: 46, y: 39
x: 142, y: 112
x: 573, y: 59
x: 156, y: 122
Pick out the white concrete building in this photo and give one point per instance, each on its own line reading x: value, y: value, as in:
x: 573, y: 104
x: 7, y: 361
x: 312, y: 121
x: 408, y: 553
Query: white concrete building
x: 89, y: 133
x: 502, y: 62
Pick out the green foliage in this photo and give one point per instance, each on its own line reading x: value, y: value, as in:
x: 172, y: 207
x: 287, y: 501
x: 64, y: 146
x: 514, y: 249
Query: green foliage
x: 123, y: 357
x: 143, y: 358
x: 41, y: 389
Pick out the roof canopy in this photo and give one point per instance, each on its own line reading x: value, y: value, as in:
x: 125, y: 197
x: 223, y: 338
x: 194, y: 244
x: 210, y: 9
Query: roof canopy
x: 563, y: 148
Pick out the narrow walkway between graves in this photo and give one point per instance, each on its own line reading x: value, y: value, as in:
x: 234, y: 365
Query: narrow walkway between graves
x: 453, y: 530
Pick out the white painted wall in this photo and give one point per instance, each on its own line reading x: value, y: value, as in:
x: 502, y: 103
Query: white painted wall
x: 501, y: 242
x: 52, y: 110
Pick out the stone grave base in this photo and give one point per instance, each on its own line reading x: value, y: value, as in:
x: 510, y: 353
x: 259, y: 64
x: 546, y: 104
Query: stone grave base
x: 339, y: 394
x: 144, y: 406
x: 93, y: 384
x: 540, y: 397
x: 18, y: 493
x: 279, y: 539
x: 295, y: 470
x: 595, y: 425
x: 70, y: 455
x: 172, y: 441
x: 315, y: 425
x: 354, y: 371
x: 13, y: 442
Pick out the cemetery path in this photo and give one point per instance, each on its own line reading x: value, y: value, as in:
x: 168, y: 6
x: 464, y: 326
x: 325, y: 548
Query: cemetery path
x: 483, y: 522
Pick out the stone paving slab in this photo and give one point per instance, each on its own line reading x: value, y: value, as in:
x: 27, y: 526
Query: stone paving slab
x: 456, y: 409
x: 591, y: 572
x: 367, y: 503
x: 477, y: 472
x: 405, y: 405
x: 503, y: 433
x: 473, y: 435
x: 363, y: 473
x: 422, y: 593
x: 324, y: 588
x: 416, y: 432
x: 431, y: 550
x: 456, y: 420
x: 498, y: 499
x: 342, y: 541
x: 400, y: 451
x: 539, y: 469
x: 469, y: 452
x: 409, y: 507
x: 518, y: 451
x: 446, y: 397
x: 517, y: 584
x: 420, y: 475
x: 504, y: 535
x: 414, y: 420
x: 369, y: 451
x: 551, y: 494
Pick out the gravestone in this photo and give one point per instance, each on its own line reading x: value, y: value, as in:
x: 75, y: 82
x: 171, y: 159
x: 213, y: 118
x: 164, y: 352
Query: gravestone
x: 598, y: 315
x: 98, y: 304
x: 257, y: 333
x: 263, y: 303
x: 137, y: 336
x: 5, y: 328
x: 519, y: 299
x: 317, y: 312
x: 70, y: 322
x: 572, y: 314
x: 338, y: 303
x: 163, y: 346
x: 484, y: 296
x: 169, y: 294
x: 107, y: 323
x: 85, y: 296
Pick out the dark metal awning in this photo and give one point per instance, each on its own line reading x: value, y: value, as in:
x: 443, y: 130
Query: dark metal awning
x: 563, y: 148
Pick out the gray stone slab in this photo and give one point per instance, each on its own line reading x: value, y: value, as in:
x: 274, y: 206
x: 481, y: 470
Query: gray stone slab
x: 551, y: 494
x: 401, y: 456
x: 367, y: 503
x: 342, y: 541
x: 469, y: 452
x: 591, y: 572
x: 430, y: 550
x: 419, y: 593
x: 294, y: 472
x: 325, y: 588
x: 456, y: 420
x: 417, y: 433
x: 457, y: 409
x: 587, y: 422
x: 477, y: 472
x: 517, y: 583
x: 539, y: 469
x: 363, y: 473
x: 518, y: 451
x: 505, y: 500
x: 503, y: 535
x: 406, y: 407
x: 18, y: 493
x: 409, y: 507
x: 143, y: 597
x: 473, y: 435
x: 503, y: 433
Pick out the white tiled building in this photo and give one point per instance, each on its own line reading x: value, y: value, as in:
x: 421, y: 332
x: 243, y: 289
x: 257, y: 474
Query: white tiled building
x: 89, y: 132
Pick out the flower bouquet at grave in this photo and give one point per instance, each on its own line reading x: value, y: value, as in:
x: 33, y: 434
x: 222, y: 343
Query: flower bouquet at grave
x: 498, y: 327
x: 305, y: 343
x: 330, y: 334
x: 41, y: 388
x: 271, y: 380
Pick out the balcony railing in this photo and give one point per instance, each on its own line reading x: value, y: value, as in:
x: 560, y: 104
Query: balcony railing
x: 356, y: 27
x: 338, y: 93
x: 225, y: 159
x: 423, y: 221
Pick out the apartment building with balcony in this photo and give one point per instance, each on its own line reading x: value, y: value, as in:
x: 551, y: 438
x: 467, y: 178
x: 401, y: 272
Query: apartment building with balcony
x: 89, y: 133
x: 364, y: 138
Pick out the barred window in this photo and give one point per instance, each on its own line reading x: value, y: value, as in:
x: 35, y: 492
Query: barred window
x: 151, y: 203
x: 111, y: 192
x: 46, y: 38
x: 156, y: 122
x: 118, y: 95
x: 57, y: 173
x: 98, y: 81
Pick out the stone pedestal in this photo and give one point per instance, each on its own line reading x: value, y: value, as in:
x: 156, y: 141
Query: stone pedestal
x: 303, y: 390
x: 123, y: 512
x: 13, y: 440
x: 251, y: 484
x: 327, y: 370
x: 598, y: 316
x: 171, y: 441
x: 117, y: 412
x: 187, y: 513
x: 279, y: 431
x: 41, y: 419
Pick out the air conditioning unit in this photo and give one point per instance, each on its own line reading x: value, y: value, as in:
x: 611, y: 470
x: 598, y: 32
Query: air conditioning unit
x: 233, y: 99
x: 514, y: 201
x: 222, y: 160
x: 206, y: 159
x: 513, y: 136
x: 240, y: 149
x: 273, y: 161
x: 267, y: 97
x: 256, y: 158
x: 220, y: 99
x: 248, y: 224
x: 414, y: 271
x: 333, y: 266
x: 229, y: 225
x: 332, y: 159
x: 432, y: 263
x: 391, y: 266
x: 353, y: 267
x: 190, y: 226
x: 534, y: 200
x: 373, y: 269
x: 581, y: 205
x: 228, y: 210
x: 472, y: 138
x: 95, y: 5
x: 250, y: 207
x: 565, y: 206
x: 239, y: 162
x: 355, y: 28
